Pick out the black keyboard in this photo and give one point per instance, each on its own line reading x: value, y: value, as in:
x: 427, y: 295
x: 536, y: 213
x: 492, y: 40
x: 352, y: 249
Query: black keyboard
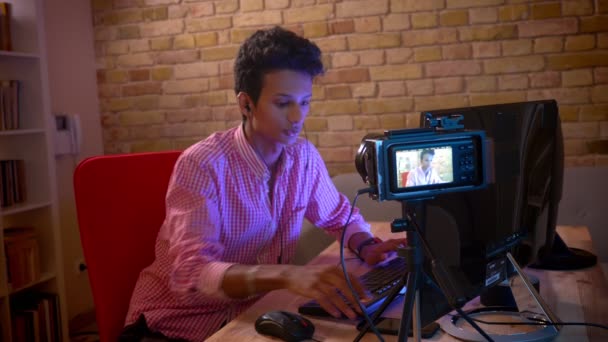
x: 378, y: 281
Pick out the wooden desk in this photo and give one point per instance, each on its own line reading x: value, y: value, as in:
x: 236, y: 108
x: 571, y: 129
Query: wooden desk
x: 574, y: 296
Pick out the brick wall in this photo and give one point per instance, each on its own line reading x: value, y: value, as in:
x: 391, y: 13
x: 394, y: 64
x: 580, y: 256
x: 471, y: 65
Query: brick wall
x: 165, y: 66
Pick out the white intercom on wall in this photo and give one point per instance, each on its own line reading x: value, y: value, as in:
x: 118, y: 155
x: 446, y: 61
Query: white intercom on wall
x: 68, y: 136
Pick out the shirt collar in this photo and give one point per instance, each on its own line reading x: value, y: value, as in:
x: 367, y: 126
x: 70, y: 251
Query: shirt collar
x: 253, y: 159
x: 248, y: 153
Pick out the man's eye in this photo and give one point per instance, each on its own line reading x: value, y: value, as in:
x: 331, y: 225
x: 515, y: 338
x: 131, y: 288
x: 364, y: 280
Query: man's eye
x: 305, y: 103
x: 282, y: 104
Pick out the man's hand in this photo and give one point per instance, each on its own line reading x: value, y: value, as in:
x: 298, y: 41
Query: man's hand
x: 378, y: 252
x: 322, y: 283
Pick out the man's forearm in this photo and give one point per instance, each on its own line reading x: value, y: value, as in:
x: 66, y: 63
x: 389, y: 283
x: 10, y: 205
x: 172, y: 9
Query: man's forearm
x: 241, y: 281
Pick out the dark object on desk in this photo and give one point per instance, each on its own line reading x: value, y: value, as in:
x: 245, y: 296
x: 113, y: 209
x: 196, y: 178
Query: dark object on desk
x: 378, y: 281
x: 285, y: 325
x: 391, y: 326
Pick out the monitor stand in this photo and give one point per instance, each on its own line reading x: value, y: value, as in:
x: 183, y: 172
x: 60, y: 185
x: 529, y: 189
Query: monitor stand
x: 450, y: 324
x: 564, y: 258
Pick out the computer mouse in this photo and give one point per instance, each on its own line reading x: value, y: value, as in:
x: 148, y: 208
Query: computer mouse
x: 287, y: 326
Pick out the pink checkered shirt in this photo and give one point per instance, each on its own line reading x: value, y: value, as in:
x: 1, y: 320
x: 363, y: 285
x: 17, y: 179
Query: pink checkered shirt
x: 219, y: 214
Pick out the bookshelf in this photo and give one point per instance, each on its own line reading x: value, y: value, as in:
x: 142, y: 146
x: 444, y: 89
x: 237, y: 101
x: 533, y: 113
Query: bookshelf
x: 32, y: 143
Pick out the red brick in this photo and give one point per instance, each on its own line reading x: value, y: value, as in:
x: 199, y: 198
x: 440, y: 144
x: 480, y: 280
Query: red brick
x: 483, y: 15
x: 512, y: 82
x: 382, y: 106
x: 416, y: 5
x: 429, y: 37
x: 141, y: 89
x: 488, y: 32
x: 578, y: 77
x: 600, y: 75
x: 367, y: 24
x: 599, y: 94
x: 577, y: 60
x: 371, y: 57
x: 420, y: 87
x: 546, y: 10
x: 334, y: 139
x: 472, y: 3
x: 514, y: 64
x: 547, y: 79
x: 481, y: 83
x: 448, y: 85
x: 580, y: 129
x: 500, y: 97
x: 345, y: 76
x: 562, y: 95
x: 452, y: 68
x: 177, y: 57
x: 361, y: 8
x: 594, y: 113
x: 340, y: 123
x: 486, y: 49
x: 338, y: 92
x: 395, y: 72
x: 594, y: 24
x: 342, y: 27
x: 399, y: 55
x: 440, y: 102
x: 391, y: 88
x: 335, y: 107
x: 456, y: 51
x: 139, y: 75
x: 550, y: 27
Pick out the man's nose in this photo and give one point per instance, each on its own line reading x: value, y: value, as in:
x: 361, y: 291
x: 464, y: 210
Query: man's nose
x: 296, y: 114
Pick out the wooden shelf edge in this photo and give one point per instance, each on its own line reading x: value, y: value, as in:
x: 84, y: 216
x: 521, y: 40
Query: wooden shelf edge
x: 19, y: 208
x: 17, y: 54
x: 44, y: 277
x: 9, y: 132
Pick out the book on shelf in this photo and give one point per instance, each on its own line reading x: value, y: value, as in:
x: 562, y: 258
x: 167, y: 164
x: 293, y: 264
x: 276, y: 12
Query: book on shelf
x: 9, y: 104
x: 36, y: 317
x: 12, y: 182
x: 22, y: 256
x: 5, y: 26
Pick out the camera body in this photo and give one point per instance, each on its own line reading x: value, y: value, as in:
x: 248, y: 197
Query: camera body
x: 422, y: 163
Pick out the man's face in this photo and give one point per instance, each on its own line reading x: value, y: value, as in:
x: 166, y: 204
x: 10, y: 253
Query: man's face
x: 283, y: 105
x: 426, y: 161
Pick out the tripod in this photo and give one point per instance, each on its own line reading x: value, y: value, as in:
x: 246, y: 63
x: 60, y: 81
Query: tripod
x: 414, y: 277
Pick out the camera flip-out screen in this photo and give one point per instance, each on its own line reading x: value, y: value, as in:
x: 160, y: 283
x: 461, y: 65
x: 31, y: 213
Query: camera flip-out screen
x: 416, y: 164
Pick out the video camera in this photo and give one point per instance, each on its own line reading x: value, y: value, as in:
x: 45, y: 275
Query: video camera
x: 423, y: 162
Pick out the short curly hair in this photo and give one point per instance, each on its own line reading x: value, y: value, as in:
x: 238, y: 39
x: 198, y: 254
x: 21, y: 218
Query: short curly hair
x: 273, y: 49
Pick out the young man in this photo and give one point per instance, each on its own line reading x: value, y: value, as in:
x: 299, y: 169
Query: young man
x: 424, y: 174
x: 236, y: 202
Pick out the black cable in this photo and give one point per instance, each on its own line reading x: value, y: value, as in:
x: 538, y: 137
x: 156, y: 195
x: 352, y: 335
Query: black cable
x: 539, y: 321
x: 343, y: 263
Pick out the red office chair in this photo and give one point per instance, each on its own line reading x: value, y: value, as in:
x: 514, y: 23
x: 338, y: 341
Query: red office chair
x: 120, y: 201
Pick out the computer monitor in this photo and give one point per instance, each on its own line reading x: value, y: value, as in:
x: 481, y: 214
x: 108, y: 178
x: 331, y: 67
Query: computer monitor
x: 470, y: 232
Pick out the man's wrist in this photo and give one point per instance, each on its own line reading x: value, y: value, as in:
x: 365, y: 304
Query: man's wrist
x: 364, y: 244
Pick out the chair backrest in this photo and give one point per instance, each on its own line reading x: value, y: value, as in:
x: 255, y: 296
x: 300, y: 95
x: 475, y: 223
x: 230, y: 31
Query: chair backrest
x: 120, y: 202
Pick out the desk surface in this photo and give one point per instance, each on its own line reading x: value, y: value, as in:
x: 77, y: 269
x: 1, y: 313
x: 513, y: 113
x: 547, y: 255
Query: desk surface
x: 574, y: 296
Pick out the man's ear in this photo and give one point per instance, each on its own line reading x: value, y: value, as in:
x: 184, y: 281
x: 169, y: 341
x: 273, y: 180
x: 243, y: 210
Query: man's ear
x: 244, y: 102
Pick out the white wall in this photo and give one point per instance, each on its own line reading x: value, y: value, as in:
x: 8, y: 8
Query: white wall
x: 73, y: 89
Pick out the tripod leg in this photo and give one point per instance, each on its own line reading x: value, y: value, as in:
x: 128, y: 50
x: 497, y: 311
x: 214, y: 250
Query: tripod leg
x: 387, y: 301
x: 413, y: 279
